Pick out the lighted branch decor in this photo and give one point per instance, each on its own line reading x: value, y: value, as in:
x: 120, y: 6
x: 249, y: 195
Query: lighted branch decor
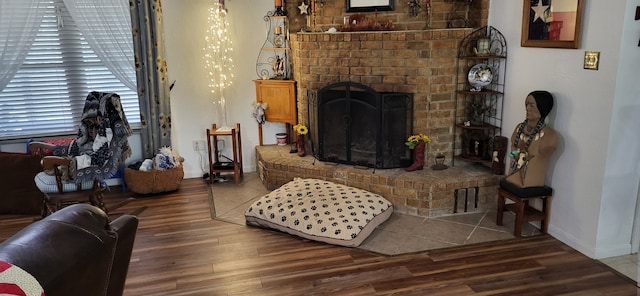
x: 217, y: 56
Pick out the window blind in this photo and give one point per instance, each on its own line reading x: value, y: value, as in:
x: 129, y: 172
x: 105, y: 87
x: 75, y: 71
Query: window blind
x: 46, y: 96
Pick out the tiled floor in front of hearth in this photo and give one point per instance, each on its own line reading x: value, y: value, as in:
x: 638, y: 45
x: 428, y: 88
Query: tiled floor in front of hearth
x: 401, y: 233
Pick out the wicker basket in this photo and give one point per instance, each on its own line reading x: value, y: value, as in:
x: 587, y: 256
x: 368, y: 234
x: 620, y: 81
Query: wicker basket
x: 153, y: 181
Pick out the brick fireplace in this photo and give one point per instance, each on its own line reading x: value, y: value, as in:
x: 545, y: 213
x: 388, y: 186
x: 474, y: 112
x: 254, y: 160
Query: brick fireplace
x: 421, y: 62
x: 412, y: 59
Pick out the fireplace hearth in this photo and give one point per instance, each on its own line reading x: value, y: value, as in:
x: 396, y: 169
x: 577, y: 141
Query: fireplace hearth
x: 353, y: 124
x: 425, y: 193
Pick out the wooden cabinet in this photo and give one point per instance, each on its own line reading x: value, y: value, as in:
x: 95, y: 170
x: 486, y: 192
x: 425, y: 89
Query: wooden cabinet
x: 280, y: 97
x: 273, y: 67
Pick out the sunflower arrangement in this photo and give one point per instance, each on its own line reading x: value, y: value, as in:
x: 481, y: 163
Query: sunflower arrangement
x: 301, y: 129
x: 414, y: 140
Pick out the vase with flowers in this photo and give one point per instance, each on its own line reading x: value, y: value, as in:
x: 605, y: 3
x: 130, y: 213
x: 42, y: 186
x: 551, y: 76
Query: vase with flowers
x: 301, y: 130
x: 417, y: 143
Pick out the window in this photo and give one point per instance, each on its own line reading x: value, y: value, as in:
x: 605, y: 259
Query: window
x: 46, y: 95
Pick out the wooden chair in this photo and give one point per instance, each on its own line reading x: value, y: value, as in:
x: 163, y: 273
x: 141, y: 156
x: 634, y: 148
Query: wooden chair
x: 101, y: 147
x: 520, y: 207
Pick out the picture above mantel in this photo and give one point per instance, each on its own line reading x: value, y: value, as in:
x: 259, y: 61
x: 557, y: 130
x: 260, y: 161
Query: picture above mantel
x: 361, y: 22
x: 426, y: 14
x: 369, y: 5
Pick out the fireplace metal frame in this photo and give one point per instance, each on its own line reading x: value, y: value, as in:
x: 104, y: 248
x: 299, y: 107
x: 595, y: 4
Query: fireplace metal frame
x: 390, y: 136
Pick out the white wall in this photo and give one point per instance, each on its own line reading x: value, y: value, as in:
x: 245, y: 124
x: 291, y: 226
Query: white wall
x: 623, y: 160
x: 192, y: 105
x: 595, y: 177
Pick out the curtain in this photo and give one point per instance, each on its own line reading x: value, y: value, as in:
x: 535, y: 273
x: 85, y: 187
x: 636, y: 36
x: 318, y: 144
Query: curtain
x: 106, y: 25
x: 151, y: 72
x: 19, y: 24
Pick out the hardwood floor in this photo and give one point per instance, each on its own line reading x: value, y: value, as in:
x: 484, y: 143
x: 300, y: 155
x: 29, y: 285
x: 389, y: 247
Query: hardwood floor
x: 180, y: 250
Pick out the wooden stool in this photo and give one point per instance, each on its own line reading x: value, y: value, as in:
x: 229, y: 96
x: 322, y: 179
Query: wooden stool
x: 520, y: 206
x: 215, y: 165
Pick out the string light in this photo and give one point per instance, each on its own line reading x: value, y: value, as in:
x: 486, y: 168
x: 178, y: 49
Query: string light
x: 217, y: 54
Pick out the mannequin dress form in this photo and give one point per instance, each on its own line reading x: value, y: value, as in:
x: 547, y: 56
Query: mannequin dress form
x: 532, y: 143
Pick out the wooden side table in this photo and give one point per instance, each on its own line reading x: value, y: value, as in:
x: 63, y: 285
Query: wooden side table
x: 234, y: 165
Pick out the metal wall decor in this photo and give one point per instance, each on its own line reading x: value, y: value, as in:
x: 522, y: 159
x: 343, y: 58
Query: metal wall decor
x: 414, y: 8
x: 274, y: 58
x: 459, y: 14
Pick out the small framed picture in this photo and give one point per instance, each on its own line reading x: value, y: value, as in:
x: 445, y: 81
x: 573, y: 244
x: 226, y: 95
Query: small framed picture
x: 554, y: 24
x: 369, y: 5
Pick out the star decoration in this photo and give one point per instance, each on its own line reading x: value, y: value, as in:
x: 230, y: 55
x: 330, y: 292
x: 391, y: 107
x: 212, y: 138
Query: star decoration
x: 539, y: 11
x: 303, y: 8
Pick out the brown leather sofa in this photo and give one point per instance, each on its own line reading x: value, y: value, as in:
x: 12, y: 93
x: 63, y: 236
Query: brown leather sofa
x: 75, y: 251
x: 19, y: 192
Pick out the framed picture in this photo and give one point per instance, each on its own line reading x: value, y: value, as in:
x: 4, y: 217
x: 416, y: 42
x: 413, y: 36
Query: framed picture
x: 551, y: 23
x: 369, y: 5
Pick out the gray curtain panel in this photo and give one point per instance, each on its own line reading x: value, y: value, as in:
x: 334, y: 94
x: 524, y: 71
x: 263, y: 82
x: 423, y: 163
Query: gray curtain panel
x: 152, y: 75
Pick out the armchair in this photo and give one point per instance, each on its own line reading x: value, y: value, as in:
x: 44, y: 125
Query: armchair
x: 101, y: 145
x: 76, y: 251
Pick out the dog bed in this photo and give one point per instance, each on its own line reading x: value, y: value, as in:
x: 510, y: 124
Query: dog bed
x: 320, y: 210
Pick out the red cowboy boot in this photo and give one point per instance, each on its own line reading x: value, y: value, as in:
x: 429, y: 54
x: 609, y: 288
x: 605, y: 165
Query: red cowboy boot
x: 418, y: 158
x: 300, y: 145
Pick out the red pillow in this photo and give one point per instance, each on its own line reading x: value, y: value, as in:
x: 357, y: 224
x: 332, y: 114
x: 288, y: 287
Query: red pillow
x: 15, y: 281
x: 57, y: 141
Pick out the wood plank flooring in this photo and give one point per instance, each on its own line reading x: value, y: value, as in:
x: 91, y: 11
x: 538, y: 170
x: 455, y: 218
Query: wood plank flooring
x: 180, y: 250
